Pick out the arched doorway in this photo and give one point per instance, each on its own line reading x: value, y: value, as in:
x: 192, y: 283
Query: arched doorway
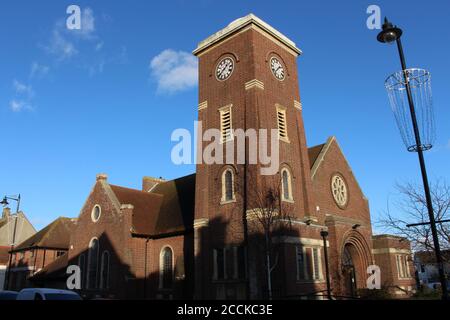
x: 349, y: 271
x: 355, y: 258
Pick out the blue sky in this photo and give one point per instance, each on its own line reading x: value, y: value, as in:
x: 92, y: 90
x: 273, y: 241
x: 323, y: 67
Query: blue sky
x: 76, y: 104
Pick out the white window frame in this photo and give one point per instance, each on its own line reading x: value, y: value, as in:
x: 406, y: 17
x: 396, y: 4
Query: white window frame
x: 280, y: 110
x: 309, y: 276
x: 161, y: 266
x: 289, y: 182
x: 99, y: 212
x: 89, y: 263
x: 222, y: 112
x: 224, y: 187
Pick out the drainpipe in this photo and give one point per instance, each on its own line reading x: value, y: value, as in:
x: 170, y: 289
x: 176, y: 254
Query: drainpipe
x: 145, y: 268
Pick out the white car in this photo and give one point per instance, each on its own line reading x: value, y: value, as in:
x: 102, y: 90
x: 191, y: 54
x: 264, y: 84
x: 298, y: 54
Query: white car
x: 47, y: 294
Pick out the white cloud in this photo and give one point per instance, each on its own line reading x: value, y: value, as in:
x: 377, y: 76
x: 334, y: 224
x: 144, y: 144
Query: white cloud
x: 99, y: 46
x: 23, y: 96
x: 59, y: 45
x: 19, y: 105
x: 174, y: 71
x: 87, y: 22
x: 23, y: 89
x: 38, y: 70
x: 63, y: 41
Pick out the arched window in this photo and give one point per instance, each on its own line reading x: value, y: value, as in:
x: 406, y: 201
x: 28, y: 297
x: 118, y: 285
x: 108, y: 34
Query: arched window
x: 92, y: 264
x: 104, y: 274
x: 82, y: 266
x: 227, y: 185
x: 166, y: 268
x: 286, y: 185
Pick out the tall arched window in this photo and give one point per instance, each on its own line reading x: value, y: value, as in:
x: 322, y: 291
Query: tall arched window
x: 82, y: 266
x: 227, y: 185
x: 166, y: 268
x: 93, y: 263
x: 104, y: 274
x: 286, y: 185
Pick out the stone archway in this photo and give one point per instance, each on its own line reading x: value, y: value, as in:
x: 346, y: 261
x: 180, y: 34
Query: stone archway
x: 355, y: 257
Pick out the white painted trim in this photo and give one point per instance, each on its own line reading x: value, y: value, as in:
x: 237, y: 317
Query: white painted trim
x: 298, y: 105
x: 321, y: 156
x: 222, y: 110
x: 308, y: 242
x: 203, y: 222
x: 282, y: 109
x: 242, y: 23
x: 161, y: 265
x: 88, y: 268
x: 391, y: 251
x: 255, y: 83
x: 99, y: 213
x: 224, y: 200
x: 289, y: 178
x: 203, y: 105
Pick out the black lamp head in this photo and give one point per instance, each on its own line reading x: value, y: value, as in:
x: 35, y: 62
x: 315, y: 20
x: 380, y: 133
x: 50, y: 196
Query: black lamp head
x: 4, y: 202
x: 390, y: 33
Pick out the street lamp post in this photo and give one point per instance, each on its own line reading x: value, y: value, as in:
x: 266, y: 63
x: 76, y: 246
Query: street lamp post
x: 389, y: 34
x: 5, y: 202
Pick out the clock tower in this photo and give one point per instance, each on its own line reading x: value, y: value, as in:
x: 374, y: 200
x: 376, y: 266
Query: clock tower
x: 248, y: 80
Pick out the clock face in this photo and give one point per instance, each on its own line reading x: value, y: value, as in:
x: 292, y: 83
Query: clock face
x: 277, y: 68
x: 224, y: 68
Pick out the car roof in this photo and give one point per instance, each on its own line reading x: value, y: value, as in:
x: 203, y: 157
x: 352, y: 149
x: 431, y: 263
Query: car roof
x: 48, y: 290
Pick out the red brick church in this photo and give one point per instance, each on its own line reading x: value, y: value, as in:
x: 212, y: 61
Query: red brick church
x: 201, y: 236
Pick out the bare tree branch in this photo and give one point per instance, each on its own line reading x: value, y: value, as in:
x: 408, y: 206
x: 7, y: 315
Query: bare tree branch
x: 411, y: 207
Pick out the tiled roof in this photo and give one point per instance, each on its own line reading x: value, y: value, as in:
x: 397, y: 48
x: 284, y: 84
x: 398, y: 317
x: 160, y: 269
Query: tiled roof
x: 55, y: 269
x: 313, y: 153
x: 167, y: 209
x: 177, y: 209
x: 146, y: 207
x: 56, y: 235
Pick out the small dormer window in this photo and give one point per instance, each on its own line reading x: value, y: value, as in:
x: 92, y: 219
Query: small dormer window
x: 96, y: 212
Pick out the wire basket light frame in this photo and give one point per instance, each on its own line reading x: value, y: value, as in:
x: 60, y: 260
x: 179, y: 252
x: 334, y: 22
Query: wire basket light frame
x: 419, y: 81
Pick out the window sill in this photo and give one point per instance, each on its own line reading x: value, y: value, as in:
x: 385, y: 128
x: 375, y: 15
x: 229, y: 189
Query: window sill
x: 284, y: 139
x: 226, y: 141
x: 222, y: 202
x: 288, y: 200
x: 310, y: 281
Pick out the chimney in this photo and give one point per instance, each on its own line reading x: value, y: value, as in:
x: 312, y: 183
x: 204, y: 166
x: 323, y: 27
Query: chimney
x: 149, y: 182
x: 102, y: 176
x: 6, y: 212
